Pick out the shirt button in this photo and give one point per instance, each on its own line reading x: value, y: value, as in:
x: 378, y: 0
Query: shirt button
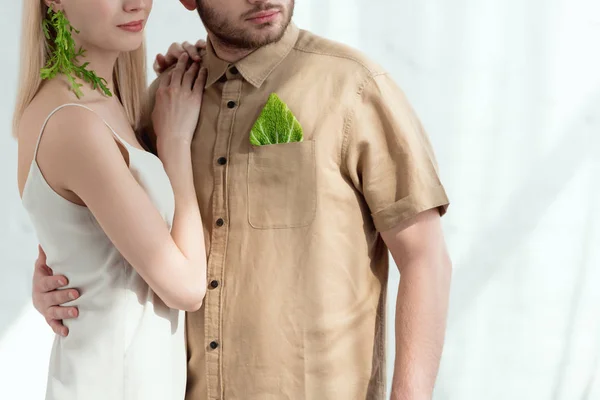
x: 231, y: 104
x: 223, y: 79
x: 222, y: 161
x: 214, y: 345
x: 220, y: 222
x: 233, y: 70
x: 214, y: 284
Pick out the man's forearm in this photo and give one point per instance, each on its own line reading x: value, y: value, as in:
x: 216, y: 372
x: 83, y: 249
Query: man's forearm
x: 421, y: 311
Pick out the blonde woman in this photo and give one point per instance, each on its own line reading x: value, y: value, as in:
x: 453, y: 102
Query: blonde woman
x: 120, y: 222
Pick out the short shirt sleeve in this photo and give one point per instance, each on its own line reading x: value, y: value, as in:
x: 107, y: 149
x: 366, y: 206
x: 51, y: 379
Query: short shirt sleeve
x: 389, y: 157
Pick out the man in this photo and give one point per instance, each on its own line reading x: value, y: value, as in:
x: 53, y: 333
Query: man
x: 298, y: 233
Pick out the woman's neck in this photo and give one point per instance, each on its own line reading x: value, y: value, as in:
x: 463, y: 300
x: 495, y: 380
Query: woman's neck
x: 102, y: 63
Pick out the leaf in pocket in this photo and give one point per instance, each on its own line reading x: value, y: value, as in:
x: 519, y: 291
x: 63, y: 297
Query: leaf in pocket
x: 276, y: 124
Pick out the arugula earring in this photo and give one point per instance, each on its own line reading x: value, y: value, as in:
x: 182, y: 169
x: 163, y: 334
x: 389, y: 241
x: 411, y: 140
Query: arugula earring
x: 63, y: 57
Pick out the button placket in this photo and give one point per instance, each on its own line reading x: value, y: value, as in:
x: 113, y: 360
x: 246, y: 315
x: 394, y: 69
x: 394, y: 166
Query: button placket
x: 213, y: 302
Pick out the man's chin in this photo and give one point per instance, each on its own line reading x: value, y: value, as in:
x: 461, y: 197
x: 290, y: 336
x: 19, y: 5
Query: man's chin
x: 254, y: 36
x: 268, y: 34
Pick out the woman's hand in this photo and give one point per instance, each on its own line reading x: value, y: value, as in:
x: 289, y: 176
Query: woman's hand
x: 163, y: 62
x: 177, y: 105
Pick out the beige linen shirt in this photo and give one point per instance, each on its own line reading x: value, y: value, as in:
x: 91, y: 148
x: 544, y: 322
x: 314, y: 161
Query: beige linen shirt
x: 297, y: 272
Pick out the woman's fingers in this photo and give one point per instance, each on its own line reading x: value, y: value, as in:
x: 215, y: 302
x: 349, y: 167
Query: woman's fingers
x: 192, y: 51
x: 177, y: 74
x: 173, y: 54
x: 200, y: 82
x: 190, y: 76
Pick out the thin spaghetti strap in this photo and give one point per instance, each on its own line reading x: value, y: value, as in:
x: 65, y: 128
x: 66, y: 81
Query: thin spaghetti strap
x: 37, y: 145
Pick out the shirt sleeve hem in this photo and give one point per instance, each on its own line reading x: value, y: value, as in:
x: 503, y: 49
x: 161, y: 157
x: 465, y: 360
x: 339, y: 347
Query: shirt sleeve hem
x: 408, y: 207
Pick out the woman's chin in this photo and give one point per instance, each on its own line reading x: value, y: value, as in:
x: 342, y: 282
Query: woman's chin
x: 133, y: 47
x: 128, y: 44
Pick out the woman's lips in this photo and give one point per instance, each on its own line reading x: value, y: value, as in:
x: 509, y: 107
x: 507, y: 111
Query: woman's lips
x: 135, y: 26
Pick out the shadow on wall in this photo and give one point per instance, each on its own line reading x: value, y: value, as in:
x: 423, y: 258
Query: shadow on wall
x: 19, y: 250
x: 546, y: 178
x: 18, y: 245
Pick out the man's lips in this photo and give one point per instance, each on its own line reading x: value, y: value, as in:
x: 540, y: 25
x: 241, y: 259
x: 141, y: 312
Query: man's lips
x: 263, y: 16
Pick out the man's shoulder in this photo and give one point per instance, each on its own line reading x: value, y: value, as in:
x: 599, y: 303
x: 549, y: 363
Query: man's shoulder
x: 343, y: 57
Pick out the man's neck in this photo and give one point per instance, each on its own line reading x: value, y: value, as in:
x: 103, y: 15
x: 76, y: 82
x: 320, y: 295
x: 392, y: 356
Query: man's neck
x: 226, y: 52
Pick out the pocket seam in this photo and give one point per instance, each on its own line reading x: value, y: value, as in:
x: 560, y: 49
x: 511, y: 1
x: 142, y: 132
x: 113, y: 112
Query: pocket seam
x: 311, y: 214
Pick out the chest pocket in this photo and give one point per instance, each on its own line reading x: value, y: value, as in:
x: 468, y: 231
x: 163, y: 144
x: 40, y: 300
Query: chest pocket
x: 282, y: 185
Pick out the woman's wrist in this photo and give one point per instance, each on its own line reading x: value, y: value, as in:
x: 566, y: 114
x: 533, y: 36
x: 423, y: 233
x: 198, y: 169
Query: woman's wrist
x: 170, y: 146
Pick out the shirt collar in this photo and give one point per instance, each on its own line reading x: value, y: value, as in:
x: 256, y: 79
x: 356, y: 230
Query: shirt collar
x: 256, y: 66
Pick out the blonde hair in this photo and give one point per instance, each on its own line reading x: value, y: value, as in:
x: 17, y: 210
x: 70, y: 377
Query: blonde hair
x: 129, y: 75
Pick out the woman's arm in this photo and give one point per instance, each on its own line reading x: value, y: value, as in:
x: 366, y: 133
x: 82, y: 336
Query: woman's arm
x: 90, y: 164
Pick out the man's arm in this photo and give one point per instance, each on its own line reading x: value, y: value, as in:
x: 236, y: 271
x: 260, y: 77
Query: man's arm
x: 390, y: 160
x: 419, y: 250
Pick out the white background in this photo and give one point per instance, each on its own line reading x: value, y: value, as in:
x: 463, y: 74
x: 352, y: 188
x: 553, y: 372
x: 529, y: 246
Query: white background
x: 510, y: 94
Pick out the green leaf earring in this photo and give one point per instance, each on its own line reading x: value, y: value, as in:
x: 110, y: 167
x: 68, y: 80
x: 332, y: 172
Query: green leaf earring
x: 63, y: 59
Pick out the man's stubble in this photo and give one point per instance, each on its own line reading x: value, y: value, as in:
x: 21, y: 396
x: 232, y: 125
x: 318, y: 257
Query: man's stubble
x: 232, y: 34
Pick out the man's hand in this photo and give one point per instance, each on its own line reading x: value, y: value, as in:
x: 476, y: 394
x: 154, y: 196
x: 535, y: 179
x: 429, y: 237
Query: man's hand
x: 47, y: 298
x: 163, y: 62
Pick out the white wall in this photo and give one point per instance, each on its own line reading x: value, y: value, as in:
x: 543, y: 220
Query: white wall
x: 510, y: 93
